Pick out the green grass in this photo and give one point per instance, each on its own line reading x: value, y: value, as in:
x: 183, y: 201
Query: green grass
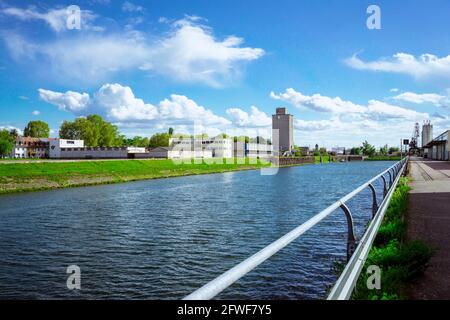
x: 383, y: 158
x: 399, y: 260
x: 325, y: 159
x: 48, y: 175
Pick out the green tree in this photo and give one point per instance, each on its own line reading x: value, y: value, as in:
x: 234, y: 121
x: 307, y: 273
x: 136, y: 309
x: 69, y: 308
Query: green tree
x: 37, y: 129
x: 355, y: 151
x: 323, y: 151
x: 393, y: 150
x: 384, y: 150
x: 95, y: 132
x: 159, y: 140
x: 171, y: 131
x: 368, y: 149
x: 6, y: 147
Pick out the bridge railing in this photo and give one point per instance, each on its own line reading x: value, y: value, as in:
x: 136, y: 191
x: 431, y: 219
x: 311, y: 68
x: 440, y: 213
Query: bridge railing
x: 356, y: 251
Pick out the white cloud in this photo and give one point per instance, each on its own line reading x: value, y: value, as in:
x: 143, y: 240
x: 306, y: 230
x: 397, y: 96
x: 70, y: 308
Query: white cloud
x: 317, y: 102
x: 394, y: 90
x: 189, y: 52
x: 337, y: 106
x: 9, y: 128
x: 119, y: 104
x: 255, y: 118
x: 56, y: 19
x: 36, y: 113
x: 423, y: 66
x: 381, y: 111
x: 131, y: 7
x: 419, y: 98
x: 68, y: 101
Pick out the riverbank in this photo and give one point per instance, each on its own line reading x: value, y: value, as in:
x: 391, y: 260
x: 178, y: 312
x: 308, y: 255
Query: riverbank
x: 56, y: 174
x: 401, y: 258
x: 22, y: 177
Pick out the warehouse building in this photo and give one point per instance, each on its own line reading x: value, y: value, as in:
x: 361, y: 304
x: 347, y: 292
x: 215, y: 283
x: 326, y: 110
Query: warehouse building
x: 439, y: 147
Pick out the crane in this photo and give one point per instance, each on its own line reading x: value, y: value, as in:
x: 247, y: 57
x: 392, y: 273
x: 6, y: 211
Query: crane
x: 414, y: 143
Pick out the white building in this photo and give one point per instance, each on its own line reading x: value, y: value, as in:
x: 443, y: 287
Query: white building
x: 252, y: 150
x: 58, y: 147
x: 178, y: 153
x: 28, y: 147
x: 219, y: 147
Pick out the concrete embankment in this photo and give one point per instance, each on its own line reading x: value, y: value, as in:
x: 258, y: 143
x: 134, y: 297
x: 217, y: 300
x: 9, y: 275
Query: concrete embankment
x: 429, y: 220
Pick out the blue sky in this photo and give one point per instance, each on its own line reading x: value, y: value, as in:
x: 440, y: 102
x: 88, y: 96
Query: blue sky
x: 226, y: 65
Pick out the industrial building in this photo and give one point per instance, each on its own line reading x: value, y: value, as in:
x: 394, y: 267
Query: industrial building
x: 439, y: 147
x: 252, y: 150
x: 427, y: 136
x: 282, y: 132
x: 219, y: 147
x: 178, y: 153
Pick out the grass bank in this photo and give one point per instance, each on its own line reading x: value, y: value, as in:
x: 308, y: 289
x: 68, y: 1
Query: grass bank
x: 18, y: 177
x: 383, y: 158
x: 399, y: 260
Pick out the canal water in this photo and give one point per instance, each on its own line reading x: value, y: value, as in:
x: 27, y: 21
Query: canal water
x: 162, y: 239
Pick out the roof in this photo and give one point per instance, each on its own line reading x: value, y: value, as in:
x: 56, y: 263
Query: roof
x: 161, y: 148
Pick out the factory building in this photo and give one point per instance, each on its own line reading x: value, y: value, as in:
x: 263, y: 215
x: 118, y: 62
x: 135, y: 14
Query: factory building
x: 282, y: 132
x: 252, y: 150
x: 219, y: 147
x: 439, y: 148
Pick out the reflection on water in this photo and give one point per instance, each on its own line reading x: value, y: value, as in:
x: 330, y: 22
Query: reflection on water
x: 162, y: 239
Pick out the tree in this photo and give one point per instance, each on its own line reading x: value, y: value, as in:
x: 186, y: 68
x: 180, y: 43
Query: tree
x: 355, y: 151
x: 384, y: 150
x: 159, y: 140
x: 393, y: 150
x: 6, y: 147
x: 368, y: 149
x: 170, y: 131
x: 7, y: 140
x: 95, y: 132
x: 37, y: 129
x: 323, y: 151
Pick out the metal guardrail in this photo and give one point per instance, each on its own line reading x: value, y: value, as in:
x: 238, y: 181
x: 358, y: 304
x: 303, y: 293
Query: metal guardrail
x: 356, y: 254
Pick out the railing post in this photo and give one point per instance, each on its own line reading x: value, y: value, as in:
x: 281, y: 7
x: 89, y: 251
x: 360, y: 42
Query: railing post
x: 384, y: 186
x: 390, y: 179
x: 351, y: 240
x: 374, y: 200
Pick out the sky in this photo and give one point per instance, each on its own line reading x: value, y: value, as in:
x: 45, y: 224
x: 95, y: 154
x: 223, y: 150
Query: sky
x: 225, y: 65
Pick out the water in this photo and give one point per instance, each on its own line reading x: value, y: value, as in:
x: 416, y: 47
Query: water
x: 162, y: 239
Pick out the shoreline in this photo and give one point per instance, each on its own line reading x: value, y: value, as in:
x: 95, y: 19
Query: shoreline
x: 39, y: 183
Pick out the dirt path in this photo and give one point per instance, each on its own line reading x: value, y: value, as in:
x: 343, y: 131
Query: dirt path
x: 429, y: 220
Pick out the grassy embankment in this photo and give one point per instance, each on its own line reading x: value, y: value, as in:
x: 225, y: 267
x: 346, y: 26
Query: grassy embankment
x: 16, y: 177
x: 383, y: 158
x: 399, y: 260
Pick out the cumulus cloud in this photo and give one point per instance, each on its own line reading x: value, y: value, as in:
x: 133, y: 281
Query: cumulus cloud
x: 256, y: 117
x: 36, y: 113
x: 317, y: 102
x: 379, y: 110
x: 419, y: 98
x: 188, y: 52
x: 373, y: 110
x: 423, y: 66
x: 68, y: 101
x: 118, y: 104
